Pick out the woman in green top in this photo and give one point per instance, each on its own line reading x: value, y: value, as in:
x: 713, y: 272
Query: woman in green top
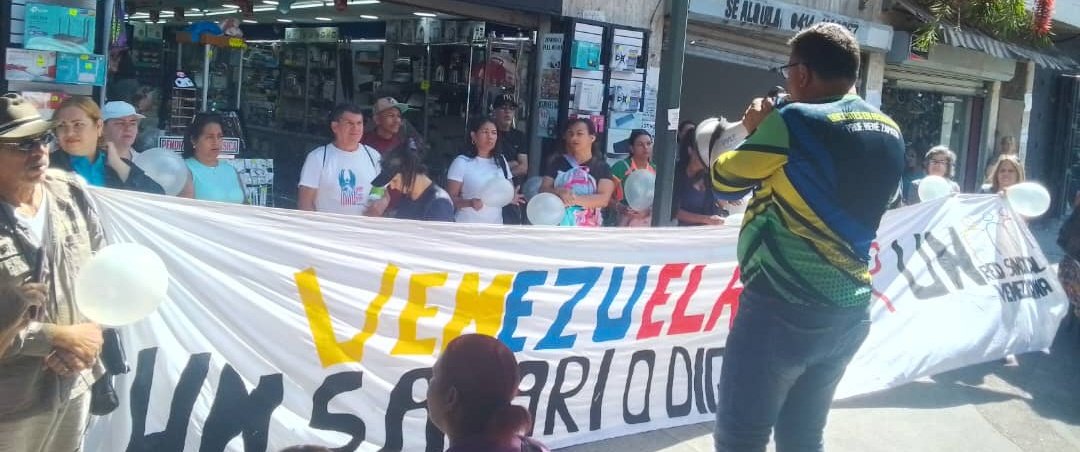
x: 641, y: 149
x: 211, y: 179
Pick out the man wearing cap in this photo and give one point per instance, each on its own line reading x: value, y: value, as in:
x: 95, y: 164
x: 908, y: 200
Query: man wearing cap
x: 48, y: 230
x: 513, y: 142
x: 823, y: 165
x: 388, y: 122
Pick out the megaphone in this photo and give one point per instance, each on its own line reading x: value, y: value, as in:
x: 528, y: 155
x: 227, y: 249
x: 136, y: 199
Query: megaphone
x: 716, y: 135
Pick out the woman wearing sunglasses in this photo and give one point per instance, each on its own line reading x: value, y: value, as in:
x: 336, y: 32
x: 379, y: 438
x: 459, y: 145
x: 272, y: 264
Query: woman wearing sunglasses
x: 48, y: 230
x: 79, y: 130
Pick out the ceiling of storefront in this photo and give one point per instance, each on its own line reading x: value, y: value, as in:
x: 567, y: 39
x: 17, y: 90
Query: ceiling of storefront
x: 266, y: 11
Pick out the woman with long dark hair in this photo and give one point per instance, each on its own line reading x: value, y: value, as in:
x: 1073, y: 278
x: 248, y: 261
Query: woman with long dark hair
x: 581, y: 178
x: 640, y: 159
x: 471, y: 397
x: 470, y: 172
x: 695, y: 203
x: 211, y: 179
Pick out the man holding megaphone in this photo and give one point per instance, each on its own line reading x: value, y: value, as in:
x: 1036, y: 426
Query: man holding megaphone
x: 823, y: 165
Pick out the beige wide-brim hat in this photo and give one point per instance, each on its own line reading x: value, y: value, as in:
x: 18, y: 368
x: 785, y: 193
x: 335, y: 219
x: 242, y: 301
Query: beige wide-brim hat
x: 19, y: 119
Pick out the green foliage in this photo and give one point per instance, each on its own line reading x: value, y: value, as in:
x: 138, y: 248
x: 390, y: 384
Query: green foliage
x: 1006, y: 20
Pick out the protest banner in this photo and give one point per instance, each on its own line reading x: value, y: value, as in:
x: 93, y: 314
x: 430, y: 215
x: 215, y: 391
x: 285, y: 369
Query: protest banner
x: 286, y: 327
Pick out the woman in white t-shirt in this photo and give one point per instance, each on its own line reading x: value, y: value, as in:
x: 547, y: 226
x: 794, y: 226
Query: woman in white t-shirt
x: 472, y: 170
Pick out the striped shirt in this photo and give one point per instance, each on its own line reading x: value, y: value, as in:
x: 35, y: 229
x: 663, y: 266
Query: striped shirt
x: 822, y: 174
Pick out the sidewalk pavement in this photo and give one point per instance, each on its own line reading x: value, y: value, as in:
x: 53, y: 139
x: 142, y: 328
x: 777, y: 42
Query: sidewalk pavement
x: 1032, y: 407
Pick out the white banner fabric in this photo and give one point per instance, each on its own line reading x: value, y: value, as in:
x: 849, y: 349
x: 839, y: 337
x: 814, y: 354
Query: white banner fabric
x: 285, y: 328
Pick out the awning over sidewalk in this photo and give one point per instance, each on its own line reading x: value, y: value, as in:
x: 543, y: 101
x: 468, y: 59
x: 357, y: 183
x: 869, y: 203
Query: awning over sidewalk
x: 973, y: 39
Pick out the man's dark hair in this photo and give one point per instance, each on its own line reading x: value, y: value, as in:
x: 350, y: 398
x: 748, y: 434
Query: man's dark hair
x: 341, y: 109
x: 828, y: 49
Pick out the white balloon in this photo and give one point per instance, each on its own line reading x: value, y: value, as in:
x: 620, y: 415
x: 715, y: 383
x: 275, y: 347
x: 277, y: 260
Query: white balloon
x: 497, y: 192
x: 934, y: 187
x: 531, y: 187
x: 164, y: 167
x: 640, y: 188
x: 1028, y: 199
x: 545, y: 209
x: 734, y: 219
x: 121, y: 284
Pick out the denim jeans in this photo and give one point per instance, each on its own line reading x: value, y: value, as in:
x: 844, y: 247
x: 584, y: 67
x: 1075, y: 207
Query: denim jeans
x: 781, y: 367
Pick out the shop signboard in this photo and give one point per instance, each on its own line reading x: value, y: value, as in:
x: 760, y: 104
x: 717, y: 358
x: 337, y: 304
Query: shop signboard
x: 315, y: 34
x: 786, y: 17
x: 229, y: 149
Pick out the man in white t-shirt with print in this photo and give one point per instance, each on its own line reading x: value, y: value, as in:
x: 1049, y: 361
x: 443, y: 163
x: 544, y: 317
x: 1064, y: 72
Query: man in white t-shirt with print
x: 337, y: 176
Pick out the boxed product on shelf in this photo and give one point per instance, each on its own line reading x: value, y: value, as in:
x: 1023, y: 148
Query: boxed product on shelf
x: 60, y: 28
x: 84, y: 69
x: 30, y: 65
x: 46, y: 102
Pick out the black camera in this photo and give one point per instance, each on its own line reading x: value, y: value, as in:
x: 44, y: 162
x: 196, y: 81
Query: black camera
x: 112, y: 353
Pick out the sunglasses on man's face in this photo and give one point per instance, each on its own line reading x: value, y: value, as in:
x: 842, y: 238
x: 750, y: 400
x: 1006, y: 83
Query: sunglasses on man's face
x: 29, y: 145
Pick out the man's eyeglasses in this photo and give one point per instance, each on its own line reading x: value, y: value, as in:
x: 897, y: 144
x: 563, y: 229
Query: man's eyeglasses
x: 785, y: 70
x: 30, y: 145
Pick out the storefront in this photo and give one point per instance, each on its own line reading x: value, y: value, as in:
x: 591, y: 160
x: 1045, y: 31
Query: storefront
x: 946, y: 97
x: 293, y: 65
x: 733, y: 48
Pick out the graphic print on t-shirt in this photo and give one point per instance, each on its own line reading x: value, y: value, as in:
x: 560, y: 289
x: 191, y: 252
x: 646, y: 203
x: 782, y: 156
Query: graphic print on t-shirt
x: 350, y: 196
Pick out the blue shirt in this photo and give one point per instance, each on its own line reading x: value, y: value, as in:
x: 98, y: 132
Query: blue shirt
x: 218, y: 183
x: 94, y: 173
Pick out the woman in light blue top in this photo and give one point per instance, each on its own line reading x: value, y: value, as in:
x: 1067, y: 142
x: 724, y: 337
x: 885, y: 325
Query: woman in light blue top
x: 211, y: 179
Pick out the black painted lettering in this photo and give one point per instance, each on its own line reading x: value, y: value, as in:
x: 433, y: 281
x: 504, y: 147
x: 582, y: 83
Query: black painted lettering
x: 933, y: 290
x: 323, y: 419
x: 402, y: 402
x: 681, y: 409
x: 236, y: 412
x: 649, y: 358
x: 732, y: 9
x: 539, y: 372
x: 596, y: 411
x: 744, y: 12
x: 699, y: 379
x: 1034, y: 267
x: 1014, y: 269
x: 710, y: 381
x: 1045, y: 287
x: 992, y: 270
x: 953, y: 262
x: 557, y: 398
x: 183, y: 402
